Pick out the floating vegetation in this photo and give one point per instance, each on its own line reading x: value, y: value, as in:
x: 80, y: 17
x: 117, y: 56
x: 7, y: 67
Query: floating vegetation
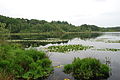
x: 108, y: 41
x: 108, y: 49
x: 66, y: 79
x: 117, y: 41
x: 59, y: 66
x: 101, y: 40
x: 87, y: 69
x: 67, y: 48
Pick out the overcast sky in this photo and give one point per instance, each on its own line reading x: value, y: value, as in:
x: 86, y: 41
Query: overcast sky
x: 102, y: 13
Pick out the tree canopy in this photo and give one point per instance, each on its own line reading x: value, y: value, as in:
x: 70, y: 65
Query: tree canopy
x: 20, y: 25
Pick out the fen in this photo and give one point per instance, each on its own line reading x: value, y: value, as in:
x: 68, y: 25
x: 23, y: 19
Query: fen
x: 99, y: 41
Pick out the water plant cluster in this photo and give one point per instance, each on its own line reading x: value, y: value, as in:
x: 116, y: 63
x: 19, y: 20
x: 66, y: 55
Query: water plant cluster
x: 87, y: 69
x: 108, y: 41
x: 108, y: 49
x: 17, y: 63
x: 67, y: 48
x: 117, y: 41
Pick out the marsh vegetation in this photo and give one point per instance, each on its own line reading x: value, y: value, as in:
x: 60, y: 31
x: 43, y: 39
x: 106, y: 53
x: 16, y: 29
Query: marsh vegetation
x: 17, y: 63
x: 67, y: 48
x: 27, y: 64
x: 87, y: 69
x: 108, y: 49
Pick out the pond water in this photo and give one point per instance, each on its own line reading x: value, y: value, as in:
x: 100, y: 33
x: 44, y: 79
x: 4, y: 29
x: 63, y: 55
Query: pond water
x: 97, y: 40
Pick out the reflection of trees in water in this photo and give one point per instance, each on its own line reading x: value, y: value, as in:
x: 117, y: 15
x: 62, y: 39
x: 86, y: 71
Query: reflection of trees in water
x: 81, y: 35
x: 35, y: 37
x: 56, y: 35
x: 117, y: 34
x: 50, y: 36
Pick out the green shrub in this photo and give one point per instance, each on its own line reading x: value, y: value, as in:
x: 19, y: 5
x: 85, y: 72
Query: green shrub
x: 4, y: 76
x: 36, y: 55
x: 68, y: 68
x: 87, y: 68
x: 20, y: 63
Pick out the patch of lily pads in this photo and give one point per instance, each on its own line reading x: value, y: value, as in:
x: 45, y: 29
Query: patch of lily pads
x: 67, y: 48
x: 108, y: 41
x: 117, y: 41
x: 108, y: 49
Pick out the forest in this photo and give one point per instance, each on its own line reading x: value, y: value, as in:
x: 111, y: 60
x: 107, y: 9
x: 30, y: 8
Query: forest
x: 21, y: 25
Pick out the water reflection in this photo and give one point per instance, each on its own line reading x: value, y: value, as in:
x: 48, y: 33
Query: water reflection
x: 83, y: 36
x: 46, y: 36
x: 107, y: 57
x: 91, y: 39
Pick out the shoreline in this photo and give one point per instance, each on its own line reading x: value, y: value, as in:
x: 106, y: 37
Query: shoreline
x: 45, y: 33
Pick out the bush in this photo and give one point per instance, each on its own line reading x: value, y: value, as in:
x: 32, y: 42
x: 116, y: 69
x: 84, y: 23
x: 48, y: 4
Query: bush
x: 20, y: 63
x: 68, y: 68
x: 87, y: 68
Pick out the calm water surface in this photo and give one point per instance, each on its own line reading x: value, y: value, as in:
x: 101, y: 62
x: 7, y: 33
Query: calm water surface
x: 98, y: 42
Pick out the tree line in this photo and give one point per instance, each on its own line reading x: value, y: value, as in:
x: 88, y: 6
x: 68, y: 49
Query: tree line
x: 20, y: 25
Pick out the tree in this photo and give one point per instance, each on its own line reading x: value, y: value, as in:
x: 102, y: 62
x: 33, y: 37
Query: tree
x: 2, y: 28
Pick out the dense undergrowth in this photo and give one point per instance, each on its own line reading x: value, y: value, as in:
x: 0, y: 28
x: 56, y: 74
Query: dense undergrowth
x: 17, y: 63
x: 87, y: 69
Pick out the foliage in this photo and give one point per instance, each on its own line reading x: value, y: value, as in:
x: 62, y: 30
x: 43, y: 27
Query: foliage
x: 20, y: 63
x: 87, y: 68
x: 2, y: 28
x: 17, y: 25
x: 4, y: 76
x: 67, y: 48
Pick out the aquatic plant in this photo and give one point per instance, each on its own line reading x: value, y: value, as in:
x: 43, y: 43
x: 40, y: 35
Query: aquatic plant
x: 111, y: 49
x: 87, y: 68
x: 108, y: 49
x: 110, y: 41
x: 67, y: 48
x: 23, y: 64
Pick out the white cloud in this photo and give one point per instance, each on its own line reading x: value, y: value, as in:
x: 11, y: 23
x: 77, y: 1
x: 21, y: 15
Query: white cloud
x: 76, y: 12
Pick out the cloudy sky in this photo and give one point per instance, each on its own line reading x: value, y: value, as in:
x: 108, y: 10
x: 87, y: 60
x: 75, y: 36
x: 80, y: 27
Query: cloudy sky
x: 103, y: 13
